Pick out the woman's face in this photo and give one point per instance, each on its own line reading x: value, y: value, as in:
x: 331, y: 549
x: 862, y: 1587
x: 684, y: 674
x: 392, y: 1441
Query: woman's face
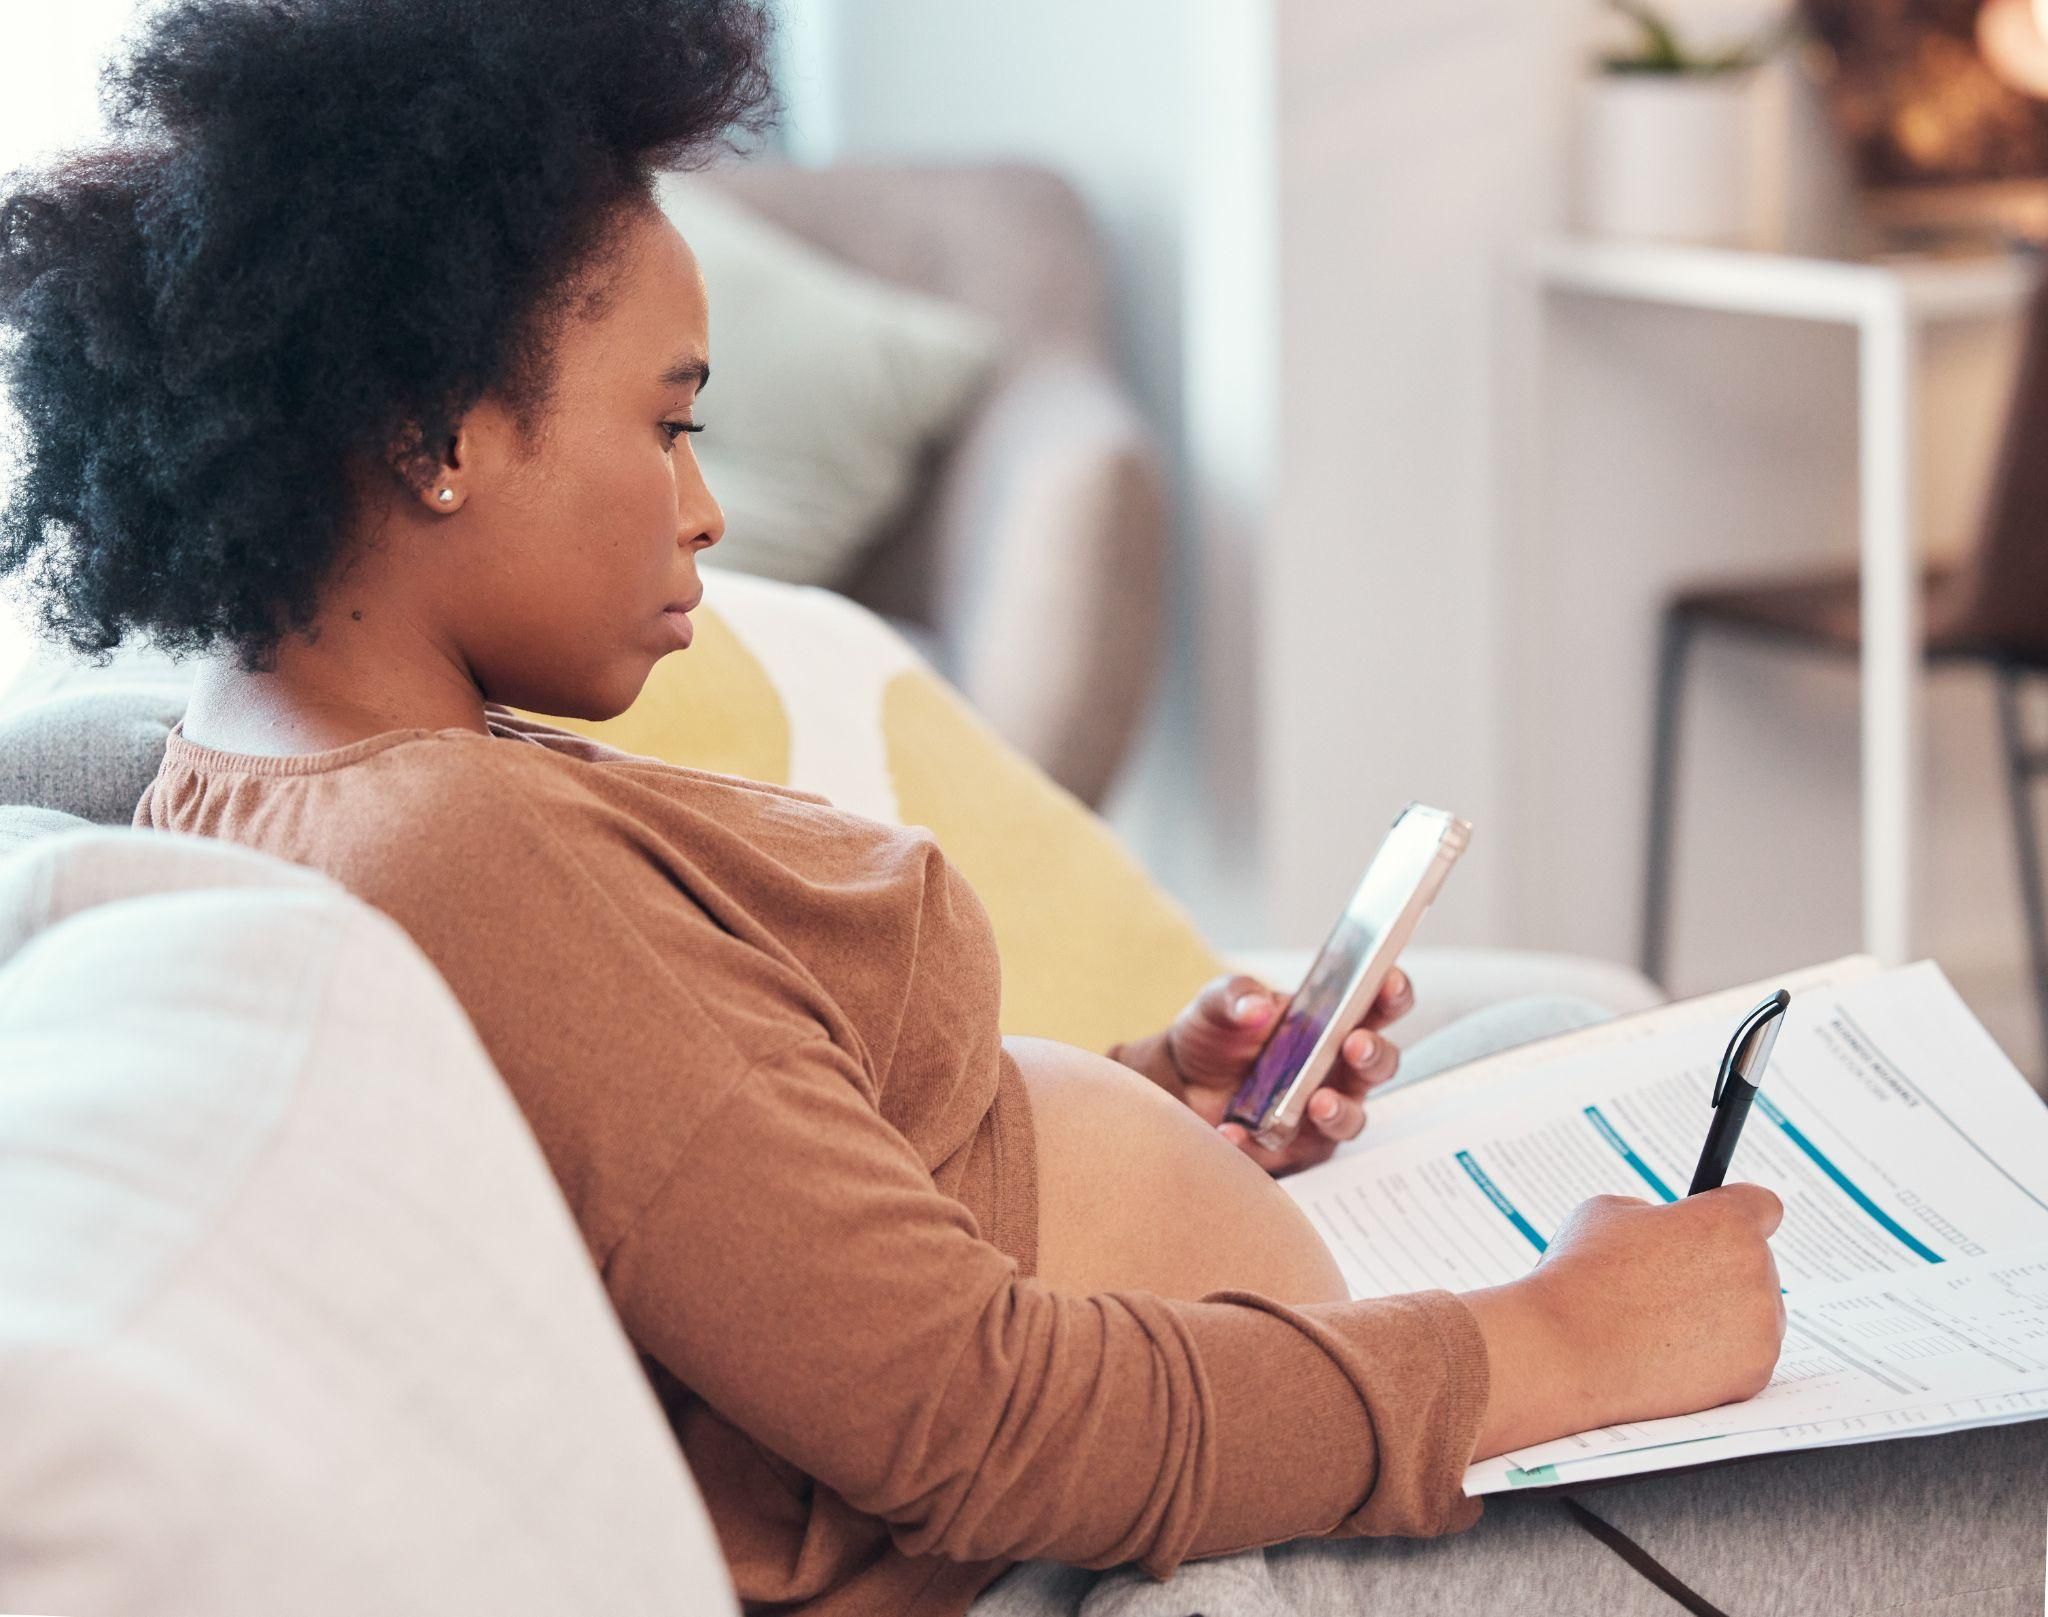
x: 555, y: 577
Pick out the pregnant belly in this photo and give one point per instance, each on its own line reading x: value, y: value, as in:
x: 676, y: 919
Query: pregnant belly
x: 1135, y: 1192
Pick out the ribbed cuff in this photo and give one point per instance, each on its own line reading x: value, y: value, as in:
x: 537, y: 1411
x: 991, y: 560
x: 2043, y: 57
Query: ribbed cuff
x: 1427, y: 1428
x: 1361, y: 1419
x: 1418, y: 1363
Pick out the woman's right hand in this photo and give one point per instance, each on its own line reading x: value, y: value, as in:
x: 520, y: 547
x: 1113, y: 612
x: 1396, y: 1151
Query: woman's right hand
x: 1637, y: 1310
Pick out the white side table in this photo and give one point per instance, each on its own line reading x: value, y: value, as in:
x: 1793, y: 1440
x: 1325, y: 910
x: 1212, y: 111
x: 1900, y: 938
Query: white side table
x: 1887, y: 303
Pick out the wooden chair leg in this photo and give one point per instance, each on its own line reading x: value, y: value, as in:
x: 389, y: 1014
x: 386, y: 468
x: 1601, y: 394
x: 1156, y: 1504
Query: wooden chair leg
x: 1674, y: 638
x: 2021, y: 766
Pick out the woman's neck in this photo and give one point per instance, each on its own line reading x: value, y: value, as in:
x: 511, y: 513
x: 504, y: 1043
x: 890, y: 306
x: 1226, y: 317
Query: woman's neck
x: 343, y: 684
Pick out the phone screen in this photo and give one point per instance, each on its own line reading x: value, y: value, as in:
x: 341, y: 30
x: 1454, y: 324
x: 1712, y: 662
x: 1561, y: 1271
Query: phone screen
x: 1397, y: 869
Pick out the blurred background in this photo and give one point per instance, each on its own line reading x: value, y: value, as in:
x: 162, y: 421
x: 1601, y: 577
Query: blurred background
x: 1294, y: 408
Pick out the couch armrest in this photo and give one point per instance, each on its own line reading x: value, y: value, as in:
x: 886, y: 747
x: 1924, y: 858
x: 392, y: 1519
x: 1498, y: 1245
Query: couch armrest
x: 1051, y: 549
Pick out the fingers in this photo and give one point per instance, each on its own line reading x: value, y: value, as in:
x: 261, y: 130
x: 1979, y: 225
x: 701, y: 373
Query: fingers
x: 1332, y: 1117
x: 1365, y: 1060
x: 1237, y: 1003
x: 1236, y: 1013
x: 1337, y: 1109
x: 1753, y: 1202
x: 1308, y: 1147
x: 1336, y: 1116
x: 1395, y: 1000
x: 1222, y: 1028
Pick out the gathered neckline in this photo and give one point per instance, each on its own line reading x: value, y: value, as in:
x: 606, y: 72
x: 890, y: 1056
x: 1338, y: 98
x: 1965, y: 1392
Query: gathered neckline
x: 197, y: 756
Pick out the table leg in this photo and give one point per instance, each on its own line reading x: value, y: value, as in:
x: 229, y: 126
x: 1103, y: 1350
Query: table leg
x: 1891, y: 626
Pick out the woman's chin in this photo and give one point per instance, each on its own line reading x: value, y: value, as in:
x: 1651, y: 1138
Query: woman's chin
x: 589, y: 702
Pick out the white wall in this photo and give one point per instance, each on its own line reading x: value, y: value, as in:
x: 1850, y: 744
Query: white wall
x: 1159, y: 113
x: 1092, y: 90
x: 50, y: 58
x: 1417, y: 142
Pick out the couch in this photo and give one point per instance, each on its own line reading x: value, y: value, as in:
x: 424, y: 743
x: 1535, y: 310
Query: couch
x: 292, y: 1316
x: 1034, y: 566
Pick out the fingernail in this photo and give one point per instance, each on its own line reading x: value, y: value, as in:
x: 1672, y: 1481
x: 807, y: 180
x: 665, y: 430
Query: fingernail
x: 1324, y: 1106
x: 1248, y: 1007
x: 1231, y: 1132
x: 1367, y: 1045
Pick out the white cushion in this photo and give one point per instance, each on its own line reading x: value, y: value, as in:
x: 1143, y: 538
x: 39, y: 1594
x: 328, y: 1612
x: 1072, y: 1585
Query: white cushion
x: 292, y: 1317
x: 828, y: 389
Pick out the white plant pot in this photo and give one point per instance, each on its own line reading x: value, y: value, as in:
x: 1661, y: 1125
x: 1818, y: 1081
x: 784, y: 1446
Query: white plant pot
x: 1669, y: 157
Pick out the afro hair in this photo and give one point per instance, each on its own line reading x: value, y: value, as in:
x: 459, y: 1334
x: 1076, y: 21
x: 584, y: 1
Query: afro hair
x: 322, y: 231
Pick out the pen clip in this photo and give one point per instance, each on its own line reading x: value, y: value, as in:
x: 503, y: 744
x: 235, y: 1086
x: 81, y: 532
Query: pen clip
x: 1749, y: 1051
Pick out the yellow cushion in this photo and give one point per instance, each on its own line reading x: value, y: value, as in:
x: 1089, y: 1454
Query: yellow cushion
x: 804, y: 688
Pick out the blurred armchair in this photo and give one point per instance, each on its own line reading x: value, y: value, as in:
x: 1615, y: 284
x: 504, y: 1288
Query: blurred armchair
x: 1031, y: 566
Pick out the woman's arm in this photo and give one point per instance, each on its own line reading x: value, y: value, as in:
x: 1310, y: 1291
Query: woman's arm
x: 798, y: 1271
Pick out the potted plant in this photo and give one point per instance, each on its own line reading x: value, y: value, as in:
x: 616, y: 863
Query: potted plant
x: 1668, y: 142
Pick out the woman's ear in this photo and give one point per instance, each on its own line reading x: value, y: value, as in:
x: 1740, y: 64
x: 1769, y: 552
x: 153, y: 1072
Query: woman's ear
x: 447, y: 490
x: 434, y: 478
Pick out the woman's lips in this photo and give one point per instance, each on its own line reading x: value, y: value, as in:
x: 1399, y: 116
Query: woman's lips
x: 676, y: 614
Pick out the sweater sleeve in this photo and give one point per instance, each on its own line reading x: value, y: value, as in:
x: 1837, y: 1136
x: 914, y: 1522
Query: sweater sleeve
x: 799, y: 1272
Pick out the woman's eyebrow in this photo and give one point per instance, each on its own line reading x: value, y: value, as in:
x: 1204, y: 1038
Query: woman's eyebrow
x: 687, y: 372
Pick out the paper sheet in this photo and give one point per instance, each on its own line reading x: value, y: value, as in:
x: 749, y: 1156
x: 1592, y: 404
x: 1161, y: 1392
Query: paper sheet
x: 1911, y: 1155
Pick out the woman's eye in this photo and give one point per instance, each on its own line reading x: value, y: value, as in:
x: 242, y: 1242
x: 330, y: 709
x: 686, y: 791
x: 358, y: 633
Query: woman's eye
x: 675, y: 429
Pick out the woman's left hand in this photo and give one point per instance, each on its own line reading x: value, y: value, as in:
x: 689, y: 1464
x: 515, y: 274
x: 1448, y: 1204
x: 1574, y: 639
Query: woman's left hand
x: 1211, y: 1045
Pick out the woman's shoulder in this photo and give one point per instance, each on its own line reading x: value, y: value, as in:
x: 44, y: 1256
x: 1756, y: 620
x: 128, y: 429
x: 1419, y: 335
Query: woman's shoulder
x: 410, y: 811
x: 556, y: 742
x: 556, y: 758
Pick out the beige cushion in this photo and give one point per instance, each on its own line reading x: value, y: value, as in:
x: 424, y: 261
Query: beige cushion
x: 294, y: 1318
x: 829, y: 387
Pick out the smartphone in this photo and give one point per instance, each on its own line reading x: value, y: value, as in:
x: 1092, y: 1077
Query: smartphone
x: 1398, y: 886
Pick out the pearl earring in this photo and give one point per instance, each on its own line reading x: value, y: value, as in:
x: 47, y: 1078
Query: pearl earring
x: 445, y: 495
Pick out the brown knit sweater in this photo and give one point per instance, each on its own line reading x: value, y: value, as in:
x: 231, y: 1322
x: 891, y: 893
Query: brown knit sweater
x: 757, y: 1040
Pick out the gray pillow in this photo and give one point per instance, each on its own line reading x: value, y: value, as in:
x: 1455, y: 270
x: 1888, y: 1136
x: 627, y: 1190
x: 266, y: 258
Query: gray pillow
x: 830, y: 389
x: 87, y: 752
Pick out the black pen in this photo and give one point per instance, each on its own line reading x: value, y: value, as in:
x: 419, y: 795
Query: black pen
x: 1742, y: 1069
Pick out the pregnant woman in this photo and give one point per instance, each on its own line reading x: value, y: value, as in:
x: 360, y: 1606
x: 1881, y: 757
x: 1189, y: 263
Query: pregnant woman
x: 365, y: 368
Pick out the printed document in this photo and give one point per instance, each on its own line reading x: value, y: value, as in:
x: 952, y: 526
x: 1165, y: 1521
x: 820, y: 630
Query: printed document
x: 1911, y: 1155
